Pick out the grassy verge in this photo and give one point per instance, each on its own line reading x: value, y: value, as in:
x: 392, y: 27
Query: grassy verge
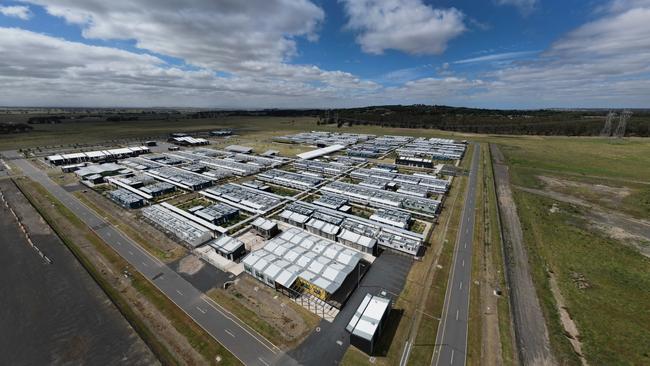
x: 247, y: 316
x: 132, y: 233
x: 196, y: 336
x: 475, y: 318
x: 606, y: 284
x: 506, y: 335
x: 424, y: 345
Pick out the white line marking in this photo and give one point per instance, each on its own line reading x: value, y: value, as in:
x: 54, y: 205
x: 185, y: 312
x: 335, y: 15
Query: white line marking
x: 229, y: 332
x: 463, y: 263
x: 145, y: 264
x: 130, y: 252
x: 451, y: 362
x: 180, y: 293
x: 119, y: 243
x: 262, y: 360
x: 457, y: 314
x: 201, y: 310
x: 460, y: 285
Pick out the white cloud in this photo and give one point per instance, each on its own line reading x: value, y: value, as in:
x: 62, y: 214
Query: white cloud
x: 405, y: 25
x: 524, y: 6
x: 496, y: 57
x: 37, y: 68
x: 20, y: 12
x: 223, y: 35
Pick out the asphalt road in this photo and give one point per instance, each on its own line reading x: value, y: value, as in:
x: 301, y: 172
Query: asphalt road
x: 451, y: 339
x: 240, y: 340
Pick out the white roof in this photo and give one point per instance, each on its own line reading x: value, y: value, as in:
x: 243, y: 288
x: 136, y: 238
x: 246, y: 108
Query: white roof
x: 263, y: 223
x: 296, y: 253
x: 366, y: 319
x: 320, y: 152
x: 226, y: 243
x: 357, y: 238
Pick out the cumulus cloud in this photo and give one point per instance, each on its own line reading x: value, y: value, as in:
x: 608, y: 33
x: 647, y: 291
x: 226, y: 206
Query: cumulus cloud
x: 20, y: 12
x: 56, y: 70
x: 524, y: 6
x: 405, y: 25
x: 224, y: 35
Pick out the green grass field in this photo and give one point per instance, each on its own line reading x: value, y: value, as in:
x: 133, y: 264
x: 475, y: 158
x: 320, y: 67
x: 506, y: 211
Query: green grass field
x: 612, y: 313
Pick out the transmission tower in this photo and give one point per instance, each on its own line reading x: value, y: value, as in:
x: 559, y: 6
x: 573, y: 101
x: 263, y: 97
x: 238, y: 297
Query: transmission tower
x: 607, y: 129
x: 622, y: 124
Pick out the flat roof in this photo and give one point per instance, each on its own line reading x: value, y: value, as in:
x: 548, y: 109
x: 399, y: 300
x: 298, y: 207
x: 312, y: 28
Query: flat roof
x: 366, y: 319
x: 320, y: 152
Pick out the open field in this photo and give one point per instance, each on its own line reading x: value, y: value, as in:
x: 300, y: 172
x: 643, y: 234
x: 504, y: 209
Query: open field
x: 603, y: 282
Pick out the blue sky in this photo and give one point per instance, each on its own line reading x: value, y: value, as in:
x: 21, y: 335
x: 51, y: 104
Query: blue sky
x: 302, y: 53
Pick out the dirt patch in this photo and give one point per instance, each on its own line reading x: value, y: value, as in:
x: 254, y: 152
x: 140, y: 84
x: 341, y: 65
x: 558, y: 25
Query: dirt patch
x: 570, y: 328
x: 598, y: 193
x: 620, y: 227
x: 190, y: 264
x: 278, y: 318
x: 641, y: 243
x: 529, y: 323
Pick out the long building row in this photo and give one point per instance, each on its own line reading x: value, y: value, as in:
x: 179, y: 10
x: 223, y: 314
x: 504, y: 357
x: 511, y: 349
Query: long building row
x: 385, y: 228
x: 379, y: 198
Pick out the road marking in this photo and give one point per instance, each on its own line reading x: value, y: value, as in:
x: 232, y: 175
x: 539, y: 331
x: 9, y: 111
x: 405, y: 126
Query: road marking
x: 451, y: 362
x: 229, y: 332
x: 463, y: 263
x: 457, y: 314
x: 130, y: 252
x: 119, y: 243
x: 465, y: 245
x: 145, y: 264
x: 180, y: 293
x: 201, y: 310
x: 460, y: 285
x: 262, y: 361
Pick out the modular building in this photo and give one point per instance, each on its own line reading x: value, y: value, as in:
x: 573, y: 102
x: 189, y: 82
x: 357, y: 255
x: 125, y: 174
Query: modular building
x: 353, y: 231
x: 289, y: 179
x: 159, y: 189
x: 396, y: 218
x: 97, y: 156
x: 189, y: 141
x: 367, y: 323
x: 218, y: 214
x: 176, y: 225
x: 265, y: 228
x: 302, y: 262
x: 248, y: 199
x: 379, y: 198
x: 126, y: 199
x: 180, y: 178
x: 228, y: 247
x: 239, y: 149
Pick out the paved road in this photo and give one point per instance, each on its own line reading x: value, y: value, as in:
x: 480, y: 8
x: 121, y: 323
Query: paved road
x: 452, y: 334
x: 245, y: 344
x: 328, y: 345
